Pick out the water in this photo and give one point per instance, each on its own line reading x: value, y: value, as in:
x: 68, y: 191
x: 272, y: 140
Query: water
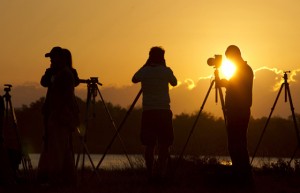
x: 111, y: 161
x: 120, y: 161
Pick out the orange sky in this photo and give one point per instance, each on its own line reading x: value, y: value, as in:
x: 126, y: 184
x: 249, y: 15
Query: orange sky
x: 110, y: 39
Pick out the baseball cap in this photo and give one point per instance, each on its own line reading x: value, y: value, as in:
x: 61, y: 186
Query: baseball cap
x: 55, y: 51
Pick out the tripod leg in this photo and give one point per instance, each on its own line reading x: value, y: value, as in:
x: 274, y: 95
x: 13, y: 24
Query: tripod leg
x: 25, y: 159
x: 83, y: 137
x: 90, y: 99
x: 77, y: 160
x: 294, y: 120
x: 114, y: 126
x: 293, y: 156
x: 89, y: 155
x: 222, y: 103
x: 193, y: 127
x: 264, y: 129
x: 119, y: 129
x: 293, y: 114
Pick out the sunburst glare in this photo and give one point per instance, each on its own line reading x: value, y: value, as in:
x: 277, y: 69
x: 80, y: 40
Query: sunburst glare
x: 227, y: 69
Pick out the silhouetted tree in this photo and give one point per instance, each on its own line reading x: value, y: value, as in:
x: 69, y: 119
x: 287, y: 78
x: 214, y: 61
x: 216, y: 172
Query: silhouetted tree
x: 209, y: 137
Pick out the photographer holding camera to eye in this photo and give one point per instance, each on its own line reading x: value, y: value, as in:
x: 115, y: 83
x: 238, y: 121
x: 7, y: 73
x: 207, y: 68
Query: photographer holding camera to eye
x: 238, y: 101
x: 156, y: 126
x: 57, y: 165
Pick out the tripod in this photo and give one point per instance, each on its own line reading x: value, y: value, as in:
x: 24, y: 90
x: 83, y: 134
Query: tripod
x: 92, y: 92
x: 287, y: 93
x: 119, y: 128
x: 11, y: 120
x: 218, y: 92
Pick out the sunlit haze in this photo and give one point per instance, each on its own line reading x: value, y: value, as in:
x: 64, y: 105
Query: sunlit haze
x: 110, y: 39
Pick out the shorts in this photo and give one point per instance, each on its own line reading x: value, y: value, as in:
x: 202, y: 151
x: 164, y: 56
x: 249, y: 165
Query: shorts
x: 157, y: 127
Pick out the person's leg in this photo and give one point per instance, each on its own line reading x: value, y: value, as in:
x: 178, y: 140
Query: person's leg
x: 237, y: 127
x: 58, y: 145
x: 149, y: 159
x: 148, y: 139
x: 69, y: 168
x: 165, y: 140
x: 237, y: 146
x: 163, y: 158
x: 233, y: 142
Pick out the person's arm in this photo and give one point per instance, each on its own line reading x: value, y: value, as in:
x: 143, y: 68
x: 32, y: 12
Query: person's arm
x: 46, y: 78
x: 135, y: 80
x: 137, y: 77
x: 76, y: 78
x: 172, y: 79
x: 222, y: 83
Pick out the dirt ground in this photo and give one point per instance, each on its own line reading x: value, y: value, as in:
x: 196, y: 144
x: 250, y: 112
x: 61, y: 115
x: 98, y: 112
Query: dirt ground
x: 194, y: 179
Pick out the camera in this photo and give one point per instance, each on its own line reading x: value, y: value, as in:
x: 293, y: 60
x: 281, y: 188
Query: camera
x: 92, y: 80
x: 7, y: 87
x: 215, y: 62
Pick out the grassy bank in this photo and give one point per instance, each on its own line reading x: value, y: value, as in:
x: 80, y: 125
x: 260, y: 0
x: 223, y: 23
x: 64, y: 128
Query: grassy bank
x: 193, y: 175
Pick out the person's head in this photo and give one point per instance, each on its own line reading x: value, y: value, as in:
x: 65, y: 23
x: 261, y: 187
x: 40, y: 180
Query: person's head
x: 233, y: 53
x: 55, y: 56
x: 156, y: 55
x: 67, y: 57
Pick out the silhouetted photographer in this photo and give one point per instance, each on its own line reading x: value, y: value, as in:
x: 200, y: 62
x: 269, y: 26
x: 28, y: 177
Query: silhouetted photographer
x: 156, y: 126
x: 238, y: 101
x: 57, y: 165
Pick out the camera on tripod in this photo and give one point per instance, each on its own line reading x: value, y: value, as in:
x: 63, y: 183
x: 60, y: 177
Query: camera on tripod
x: 7, y: 87
x: 92, y: 80
x: 216, y: 62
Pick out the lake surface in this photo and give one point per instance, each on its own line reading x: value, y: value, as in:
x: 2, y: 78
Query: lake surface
x: 120, y: 161
x: 110, y: 161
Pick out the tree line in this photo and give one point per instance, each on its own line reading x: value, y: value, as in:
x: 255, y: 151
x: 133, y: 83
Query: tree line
x: 208, y: 138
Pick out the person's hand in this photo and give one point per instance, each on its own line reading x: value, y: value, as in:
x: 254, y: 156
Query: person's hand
x: 222, y: 83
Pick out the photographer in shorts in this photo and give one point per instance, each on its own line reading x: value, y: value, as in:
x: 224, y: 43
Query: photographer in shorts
x: 156, y: 125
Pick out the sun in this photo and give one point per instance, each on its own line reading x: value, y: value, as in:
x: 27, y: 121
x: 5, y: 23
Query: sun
x: 227, y: 69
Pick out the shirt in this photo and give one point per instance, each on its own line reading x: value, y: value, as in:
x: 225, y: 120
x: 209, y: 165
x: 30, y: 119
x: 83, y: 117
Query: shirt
x: 239, y: 90
x: 155, y: 81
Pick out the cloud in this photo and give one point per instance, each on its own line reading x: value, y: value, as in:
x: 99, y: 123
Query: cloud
x: 191, y: 96
x: 266, y: 88
x: 279, y: 75
x: 190, y: 84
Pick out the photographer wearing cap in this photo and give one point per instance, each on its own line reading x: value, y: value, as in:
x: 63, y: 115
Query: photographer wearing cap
x: 156, y: 125
x: 238, y: 101
x: 57, y: 165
